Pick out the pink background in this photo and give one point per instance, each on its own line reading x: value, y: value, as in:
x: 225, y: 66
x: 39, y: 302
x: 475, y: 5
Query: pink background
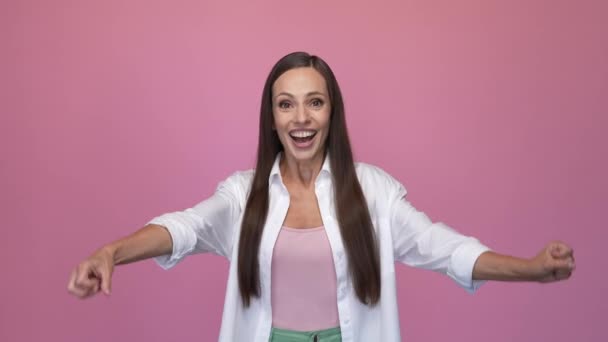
x: 493, y: 114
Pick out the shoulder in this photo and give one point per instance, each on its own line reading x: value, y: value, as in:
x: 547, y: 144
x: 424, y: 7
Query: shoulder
x: 379, y: 188
x: 375, y: 178
x: 237, y: 185
x: 240, y: 178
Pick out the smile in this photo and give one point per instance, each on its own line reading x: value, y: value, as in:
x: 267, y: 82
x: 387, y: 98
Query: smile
x: 302, y: 138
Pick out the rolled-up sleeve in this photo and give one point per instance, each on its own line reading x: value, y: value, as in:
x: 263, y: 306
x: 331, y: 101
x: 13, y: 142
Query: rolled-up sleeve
x: 206, y: 227
x: 419, y: 242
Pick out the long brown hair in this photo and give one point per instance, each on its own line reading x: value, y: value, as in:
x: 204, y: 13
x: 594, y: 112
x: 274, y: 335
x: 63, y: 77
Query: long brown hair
x: 352, y: 213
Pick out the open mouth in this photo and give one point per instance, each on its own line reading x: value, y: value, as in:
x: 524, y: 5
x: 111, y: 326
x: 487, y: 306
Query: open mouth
x: 302, y: 137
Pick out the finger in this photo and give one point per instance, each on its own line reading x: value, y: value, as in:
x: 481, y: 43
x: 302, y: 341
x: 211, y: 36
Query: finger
x: 79, y: 282
x: 561, y: 250
x: 563, y: 265
x: 561, y: 275
x: 72, y: 279
x: 72, y: 284
x: 555, y: 250
x: 94, y: 289
x: 97, y: 286
x: 85, y: 283
x: 573, y: 261
x: 104, y: 273
x: 572, y: 264
x: 81, y: 290
x: 83, y: 279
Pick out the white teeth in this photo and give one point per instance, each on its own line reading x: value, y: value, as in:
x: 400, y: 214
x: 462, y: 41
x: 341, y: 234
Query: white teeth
x: 302, y: 134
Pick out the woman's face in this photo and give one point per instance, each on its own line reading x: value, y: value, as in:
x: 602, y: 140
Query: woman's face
x: 301, y: 111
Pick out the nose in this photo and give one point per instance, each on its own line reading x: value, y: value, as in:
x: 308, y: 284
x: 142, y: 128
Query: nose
x: 302, y: 114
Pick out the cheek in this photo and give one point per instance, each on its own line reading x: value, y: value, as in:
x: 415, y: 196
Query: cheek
x: 279, y: 126
x: 325, y: 119
x: 276, y: 122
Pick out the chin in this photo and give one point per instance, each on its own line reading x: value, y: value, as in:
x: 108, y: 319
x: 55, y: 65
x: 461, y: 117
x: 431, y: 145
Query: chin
x: 305, y: 155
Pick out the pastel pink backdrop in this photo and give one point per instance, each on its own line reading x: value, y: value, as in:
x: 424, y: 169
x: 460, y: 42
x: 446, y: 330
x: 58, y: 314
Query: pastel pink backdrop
x: 492, y: 113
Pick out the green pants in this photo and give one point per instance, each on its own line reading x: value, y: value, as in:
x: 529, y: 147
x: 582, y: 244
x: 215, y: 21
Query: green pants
x: 326, y: 335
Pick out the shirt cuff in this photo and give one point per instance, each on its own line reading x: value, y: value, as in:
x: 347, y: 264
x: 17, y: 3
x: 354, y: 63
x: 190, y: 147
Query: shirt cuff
x: 462, y: 263
x: 184, y: 240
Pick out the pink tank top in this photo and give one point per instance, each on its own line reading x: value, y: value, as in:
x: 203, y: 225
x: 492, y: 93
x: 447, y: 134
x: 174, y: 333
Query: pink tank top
x: 303, y: 288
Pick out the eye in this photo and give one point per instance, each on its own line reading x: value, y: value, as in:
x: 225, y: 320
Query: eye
x: 284, y: 105
x: 316, y: 102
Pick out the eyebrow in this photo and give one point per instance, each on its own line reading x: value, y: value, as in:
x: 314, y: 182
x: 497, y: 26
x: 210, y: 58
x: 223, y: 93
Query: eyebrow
x: 307, y: 95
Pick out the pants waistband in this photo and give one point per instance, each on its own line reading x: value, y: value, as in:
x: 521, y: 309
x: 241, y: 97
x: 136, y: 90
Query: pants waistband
x: 325, y: 335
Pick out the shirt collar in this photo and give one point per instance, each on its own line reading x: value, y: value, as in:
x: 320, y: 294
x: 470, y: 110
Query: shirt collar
x: 276, y: 171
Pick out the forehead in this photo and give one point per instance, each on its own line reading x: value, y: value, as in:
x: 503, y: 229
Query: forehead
x: 300, y: 81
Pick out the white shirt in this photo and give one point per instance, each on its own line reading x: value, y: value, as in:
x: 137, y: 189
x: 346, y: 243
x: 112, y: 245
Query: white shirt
x: 404, y: 234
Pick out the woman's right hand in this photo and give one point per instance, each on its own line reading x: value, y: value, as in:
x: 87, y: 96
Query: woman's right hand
x: 93, y: 274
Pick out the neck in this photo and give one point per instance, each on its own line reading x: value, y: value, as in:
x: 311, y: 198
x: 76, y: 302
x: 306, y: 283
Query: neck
x: 300, y: 172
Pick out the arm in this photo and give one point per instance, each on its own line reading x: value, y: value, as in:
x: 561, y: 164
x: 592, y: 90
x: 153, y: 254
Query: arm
x: 148, y: 242
x: 95, y: 272
x: 420, y: 242
x: 207, y: 227
x: 555, y: 262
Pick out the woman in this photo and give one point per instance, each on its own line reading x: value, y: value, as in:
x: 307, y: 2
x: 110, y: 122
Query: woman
x: 318, y: 229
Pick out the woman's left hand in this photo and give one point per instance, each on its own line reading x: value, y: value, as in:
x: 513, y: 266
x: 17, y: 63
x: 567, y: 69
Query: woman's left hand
x: 554, y: 263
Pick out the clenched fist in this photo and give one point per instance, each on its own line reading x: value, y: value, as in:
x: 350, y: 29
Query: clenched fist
x: 554, y: 263
x: 92, y: 275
